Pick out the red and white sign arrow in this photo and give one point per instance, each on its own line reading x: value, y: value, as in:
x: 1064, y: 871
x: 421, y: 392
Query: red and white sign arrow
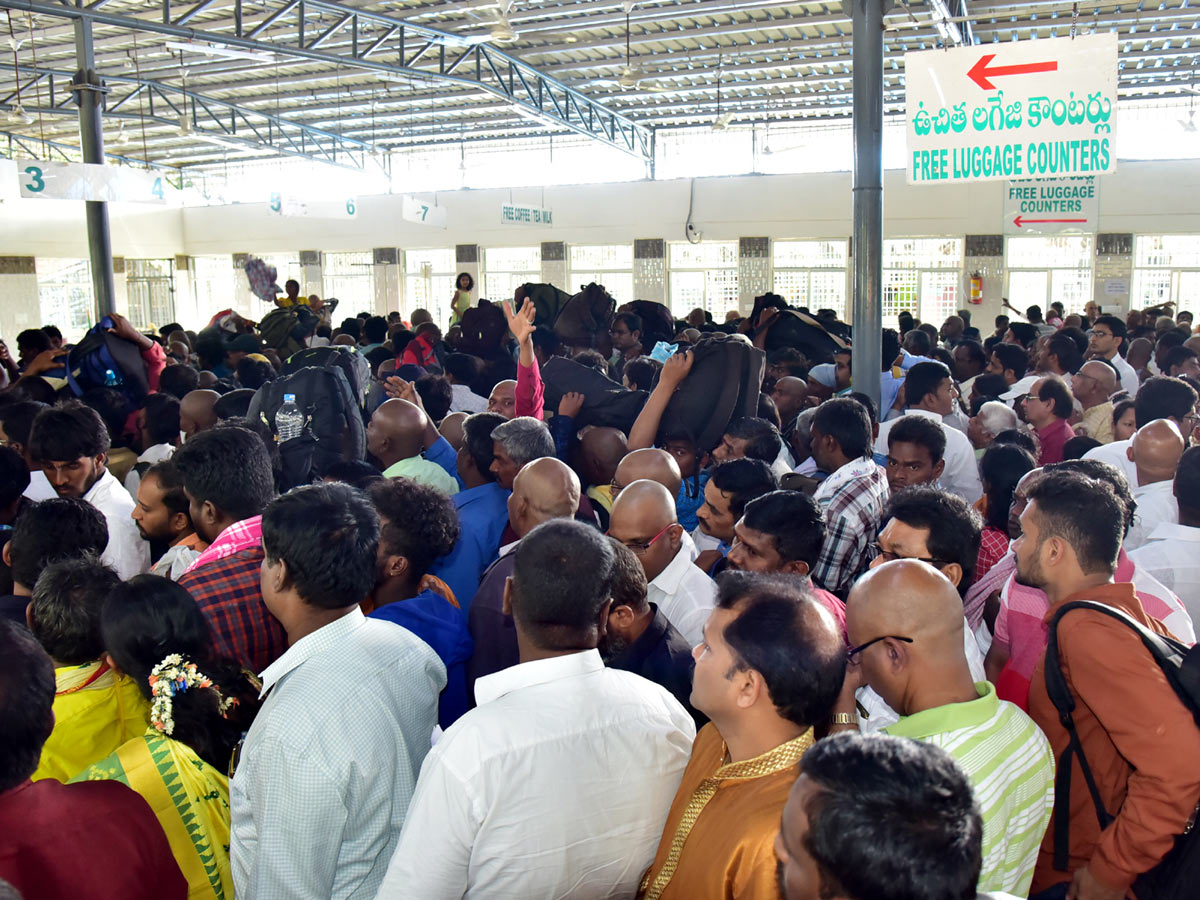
x: 1021, y: 223
x: 982, y: 75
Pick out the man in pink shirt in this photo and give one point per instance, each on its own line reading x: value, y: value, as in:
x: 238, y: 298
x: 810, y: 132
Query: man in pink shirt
x: 1048, y: 405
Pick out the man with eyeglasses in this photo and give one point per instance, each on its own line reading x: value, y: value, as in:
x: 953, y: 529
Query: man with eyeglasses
x: 905, y: 621
x: 643, y: 519
x: 1047, y: 407
x: 1107, y: 336
x: 626, y: 336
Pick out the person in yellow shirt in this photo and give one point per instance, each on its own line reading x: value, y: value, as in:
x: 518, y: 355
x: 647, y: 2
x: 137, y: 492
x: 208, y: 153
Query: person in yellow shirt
x: 200, y: 707
x: 96, y: 708
x: 768, y: 669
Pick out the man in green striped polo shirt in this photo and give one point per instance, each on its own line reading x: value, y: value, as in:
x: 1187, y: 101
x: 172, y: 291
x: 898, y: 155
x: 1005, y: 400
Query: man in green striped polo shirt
x: 905, y: 624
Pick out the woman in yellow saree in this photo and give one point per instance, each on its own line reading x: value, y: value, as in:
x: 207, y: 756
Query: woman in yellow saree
x: 200, y: 708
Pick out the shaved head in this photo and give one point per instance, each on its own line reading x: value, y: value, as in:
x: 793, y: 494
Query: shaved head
x: 789, y: 396
x: 196, y: 411
x: 396, y: 431
x: 919, y: 614
x: 1102, y: 375
x: 643, y: 519
x: 544, y: 489
x: 650, y: 464
x: 1155, y: 451
x: 503, y: 399
x: 600, y: 452
x: 452, y: 429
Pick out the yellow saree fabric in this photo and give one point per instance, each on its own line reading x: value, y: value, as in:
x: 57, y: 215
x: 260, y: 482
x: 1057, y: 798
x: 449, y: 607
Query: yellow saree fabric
x: 95, y: 712
x: 190, y: 799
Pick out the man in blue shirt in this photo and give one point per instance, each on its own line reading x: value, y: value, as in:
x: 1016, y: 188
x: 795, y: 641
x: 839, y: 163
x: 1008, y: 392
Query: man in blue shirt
x: 482, y: 505
x: 417, y: 525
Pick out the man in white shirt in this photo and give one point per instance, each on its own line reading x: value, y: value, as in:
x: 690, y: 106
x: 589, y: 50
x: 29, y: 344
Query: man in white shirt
x: 1107, y: 336
x: 928, y: 392
x: 328, y: 768
x: 159, y: 425
x: 1155, y: 451
x: 1172, y: 553
x: 559, y: 782
x: 1160, y: 397
x: 644, y: 520
x: 70, y: 442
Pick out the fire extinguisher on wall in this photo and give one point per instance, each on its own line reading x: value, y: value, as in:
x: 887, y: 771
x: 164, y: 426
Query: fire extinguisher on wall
x: 976, y: 295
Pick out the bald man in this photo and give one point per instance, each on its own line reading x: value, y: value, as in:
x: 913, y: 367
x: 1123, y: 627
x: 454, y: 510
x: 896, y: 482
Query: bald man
x: 544, y: 489
x: 905, y: 623
x: 651, y: 464
x: 1154, y: 451
x: 396, y: 437
x: 644, y: 520
x: 196, y: 412
x: 452, y: 429
x: 1092, y: 385
x: 790, y: 395
x: 600, y: 451
x: 503, y: 399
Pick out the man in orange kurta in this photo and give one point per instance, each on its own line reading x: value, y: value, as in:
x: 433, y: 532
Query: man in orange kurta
x: 769, y: 667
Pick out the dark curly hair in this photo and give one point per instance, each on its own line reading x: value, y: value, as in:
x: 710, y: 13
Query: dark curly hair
x: 419, y: 522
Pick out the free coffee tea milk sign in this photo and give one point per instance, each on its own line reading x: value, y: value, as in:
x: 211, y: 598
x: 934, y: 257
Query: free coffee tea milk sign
x: 1012, y: 111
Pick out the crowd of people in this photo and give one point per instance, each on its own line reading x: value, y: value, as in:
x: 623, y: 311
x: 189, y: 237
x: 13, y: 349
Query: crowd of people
x: 928, y: 647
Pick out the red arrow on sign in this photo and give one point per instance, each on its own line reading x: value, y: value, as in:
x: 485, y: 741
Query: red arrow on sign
x: 981, y: 74
x: 1021, y: 223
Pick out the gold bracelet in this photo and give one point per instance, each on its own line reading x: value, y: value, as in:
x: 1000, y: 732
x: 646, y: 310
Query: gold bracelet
x: 843, y: 719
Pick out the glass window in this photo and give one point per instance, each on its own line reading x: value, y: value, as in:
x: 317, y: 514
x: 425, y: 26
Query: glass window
x: 428, y: 283
x: 922, y: 276
x: 150, y: 288
x: 1058, y: 267
x: 608, y: 264
x: 812, y: 274
x: 1166, y: 270
x: 350, y: 277
x: 65, y: 295
x: 213, y: 280
x: 507, y: 268
x: 703, y: 275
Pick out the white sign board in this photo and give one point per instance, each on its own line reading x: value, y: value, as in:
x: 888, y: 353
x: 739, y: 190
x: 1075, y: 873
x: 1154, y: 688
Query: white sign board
x: 1052, y: 206
x: 280, y: 204
x: 40, y: 180
x: 1030, y: 109
x: 423, y: 212
x: 525, y: 215
x: 1116, y: 287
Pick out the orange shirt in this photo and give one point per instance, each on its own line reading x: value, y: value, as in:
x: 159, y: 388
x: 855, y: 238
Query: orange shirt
x: 1140, y: 741
x: 729, y: 851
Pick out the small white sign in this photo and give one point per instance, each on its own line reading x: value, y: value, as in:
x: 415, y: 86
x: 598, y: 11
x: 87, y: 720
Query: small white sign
x: 510, y: 214
x: 280, y: 204
x: 1027, y: 109
x: 43, y: 180
x: 1053, y: 206
x: 422, y: 212
x: 1116, y: 287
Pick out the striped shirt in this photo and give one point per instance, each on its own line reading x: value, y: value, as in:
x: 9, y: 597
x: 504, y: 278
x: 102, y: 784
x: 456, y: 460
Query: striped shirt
x: 1009, y: 762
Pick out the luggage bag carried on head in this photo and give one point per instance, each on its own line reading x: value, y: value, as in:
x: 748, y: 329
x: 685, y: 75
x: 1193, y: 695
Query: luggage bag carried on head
x: 605, y: 402
x: 348, y: 359
x: 723, y: 385
x: 333, y: 421
x: 102, y: 359
x: 583, y: 321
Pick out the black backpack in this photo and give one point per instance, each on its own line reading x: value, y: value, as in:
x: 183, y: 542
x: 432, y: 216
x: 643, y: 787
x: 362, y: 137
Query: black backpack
x: 792, y: 328
x: 333, y: 429
x: 102, y: 359
x: 657, y: 322
x: 484, y: 328
x: 1176, y: 877
x: 348, y: 359
x: 723, y: 385
x: 605, y: 402
x: 583, y: 320
x: 283, y: 329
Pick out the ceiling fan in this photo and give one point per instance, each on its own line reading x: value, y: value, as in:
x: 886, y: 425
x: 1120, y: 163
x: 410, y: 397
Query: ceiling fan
x: 500, y: 29
x: 630, y: 77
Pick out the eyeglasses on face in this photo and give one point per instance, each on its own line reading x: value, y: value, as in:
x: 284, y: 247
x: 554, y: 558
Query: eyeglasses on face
x: 854, y: 651
x: 877, y: 552
x: 1101, y: 334
x: 640, y: 547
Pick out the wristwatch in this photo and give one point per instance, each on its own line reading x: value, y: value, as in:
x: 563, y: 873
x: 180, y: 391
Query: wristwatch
x: 843, y: 719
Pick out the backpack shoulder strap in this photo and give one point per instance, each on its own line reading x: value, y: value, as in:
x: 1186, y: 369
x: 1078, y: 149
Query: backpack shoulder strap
x: 1060, y: 695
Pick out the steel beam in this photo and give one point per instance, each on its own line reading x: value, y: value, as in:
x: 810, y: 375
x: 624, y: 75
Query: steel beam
x: 89, y: 94
x: 282, y: 31
x: 867, y: 244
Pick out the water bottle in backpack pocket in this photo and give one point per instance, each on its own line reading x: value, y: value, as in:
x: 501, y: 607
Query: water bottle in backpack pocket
x: 289, y: 420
